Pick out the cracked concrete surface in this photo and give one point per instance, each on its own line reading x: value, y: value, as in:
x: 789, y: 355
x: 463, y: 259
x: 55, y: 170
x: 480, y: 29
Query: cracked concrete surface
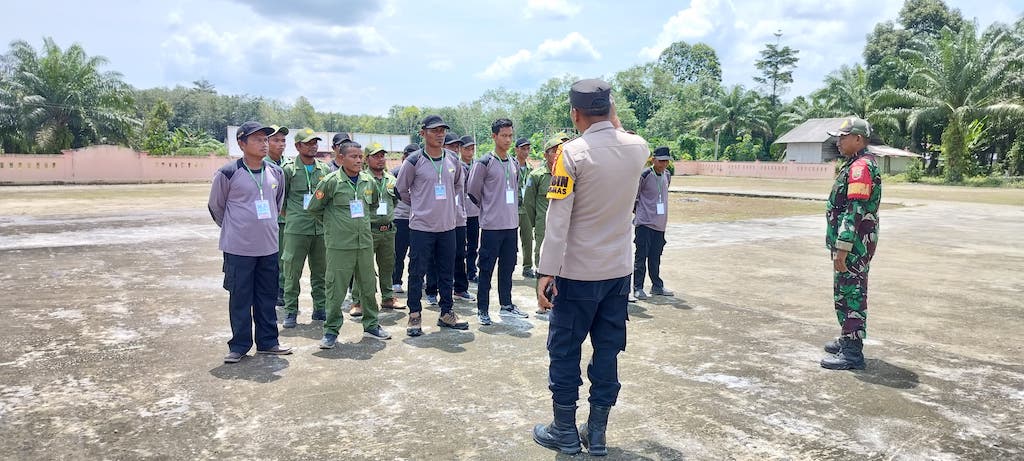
x: 116, y: 325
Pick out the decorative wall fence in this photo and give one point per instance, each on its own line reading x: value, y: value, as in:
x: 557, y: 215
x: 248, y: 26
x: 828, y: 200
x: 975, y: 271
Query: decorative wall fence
x: 115, y: 164
x: 776, y: 170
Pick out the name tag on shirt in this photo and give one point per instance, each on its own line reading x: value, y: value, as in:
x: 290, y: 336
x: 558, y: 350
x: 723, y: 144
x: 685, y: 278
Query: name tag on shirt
x: 262, y: 209
x: 510, y: 196
x: 382, y: 209
x: 661, y: 208
x: 439, y: 192
x: 355, y: 208
x: 306, y: 198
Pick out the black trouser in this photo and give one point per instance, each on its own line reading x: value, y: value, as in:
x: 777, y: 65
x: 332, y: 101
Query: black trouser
x: 472, y: 245
x: 498, y: 246
x: 461, y: 283
x: 597, y: 308
x: 431, y: 249
x: 401, y: 248
x: 251, y: 282
x: 649, y: 246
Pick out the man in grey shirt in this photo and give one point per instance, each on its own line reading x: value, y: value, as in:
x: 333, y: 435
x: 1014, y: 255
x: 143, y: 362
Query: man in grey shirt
x: 494, y: 186
x: 430, y: 182
x: 651, y: 208
x: 245, y: 201
x: 468, y: 153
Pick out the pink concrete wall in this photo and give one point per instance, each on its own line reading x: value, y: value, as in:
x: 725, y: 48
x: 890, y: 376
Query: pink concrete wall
x: 776, y: 170
x: 105, y: 164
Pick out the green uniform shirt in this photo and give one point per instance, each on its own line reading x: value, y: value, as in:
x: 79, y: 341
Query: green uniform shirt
x: 524, y: 171
x: 280, y: 163
x: 535, y: 200
x: 334, y: 201
x: 385, y: 193
x: 852, y: 211
x: 298, y: 182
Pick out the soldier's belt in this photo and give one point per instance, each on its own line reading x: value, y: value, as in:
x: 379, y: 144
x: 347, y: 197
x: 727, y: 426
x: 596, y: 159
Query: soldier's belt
x: 384, y: 227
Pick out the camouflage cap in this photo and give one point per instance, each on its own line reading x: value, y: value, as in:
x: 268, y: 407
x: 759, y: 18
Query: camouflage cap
x: 278, y: 129
x: 305, y: 135
x: 853, y: 125
x: 375, y: 148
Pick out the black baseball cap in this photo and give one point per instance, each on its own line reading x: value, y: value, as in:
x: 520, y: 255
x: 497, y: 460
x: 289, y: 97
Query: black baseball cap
x: 662, y: 153
x: 522, y: 142
x: 591, y: 93
x: 340, y: 138
x: 433, y: 121
x: 467, y: 140
x: 249, y: 128
x: 452, y: 138
x: 411, y: 148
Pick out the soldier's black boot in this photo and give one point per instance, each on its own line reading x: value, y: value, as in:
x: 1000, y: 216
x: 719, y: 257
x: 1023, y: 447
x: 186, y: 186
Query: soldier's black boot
x: 832, y: 347
x: 592, y: 432
x: 849, y: 357
x: 561, y: 434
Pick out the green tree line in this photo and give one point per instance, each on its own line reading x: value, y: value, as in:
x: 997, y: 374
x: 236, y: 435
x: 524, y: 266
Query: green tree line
x: 930, y: 82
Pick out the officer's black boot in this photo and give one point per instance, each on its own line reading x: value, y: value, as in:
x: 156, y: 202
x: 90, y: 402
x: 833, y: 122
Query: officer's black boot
x: 561, y: 434
x: 832, y: 347
x: 849, y: 357
x: 592, y: 432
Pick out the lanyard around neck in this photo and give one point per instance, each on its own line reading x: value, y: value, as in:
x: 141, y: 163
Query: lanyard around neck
x: 259, y: 183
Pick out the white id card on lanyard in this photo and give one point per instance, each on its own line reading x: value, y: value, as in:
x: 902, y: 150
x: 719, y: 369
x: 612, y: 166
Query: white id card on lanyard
x: 355, y: 208
x: 306, y: 198
x: 510, y: 196
x: 439, y: 192
x: 262, y: 209
x: 661, y: 208
x: 382, y: 209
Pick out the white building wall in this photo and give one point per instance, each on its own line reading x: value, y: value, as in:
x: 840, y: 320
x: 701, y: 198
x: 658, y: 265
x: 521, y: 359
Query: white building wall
x: 803, y: 152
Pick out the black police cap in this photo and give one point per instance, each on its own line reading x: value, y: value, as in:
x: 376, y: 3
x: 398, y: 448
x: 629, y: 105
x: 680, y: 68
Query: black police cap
x: 591, y: 93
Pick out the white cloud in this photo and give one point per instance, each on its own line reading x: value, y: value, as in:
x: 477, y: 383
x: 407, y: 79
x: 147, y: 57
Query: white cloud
x: 691, y: 23
x: 441, y: 64
x: 574, y: 47
x: 555, y: 9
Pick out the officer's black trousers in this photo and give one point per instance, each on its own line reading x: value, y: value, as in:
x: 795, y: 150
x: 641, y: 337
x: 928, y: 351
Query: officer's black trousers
x: 401, y: 248
x: 431, y: 249
x: 597, y: 308
x: 472, y: 245
x: 649, y: 246
x: 496, y: 246
x: 252, y: 286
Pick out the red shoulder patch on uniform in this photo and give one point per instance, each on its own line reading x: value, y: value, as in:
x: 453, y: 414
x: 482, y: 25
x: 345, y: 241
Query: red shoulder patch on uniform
x: 859, y: 183
x: 319, y: 195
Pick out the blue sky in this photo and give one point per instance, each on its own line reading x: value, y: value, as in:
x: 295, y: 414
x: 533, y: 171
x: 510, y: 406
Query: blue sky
x: 363, y: 56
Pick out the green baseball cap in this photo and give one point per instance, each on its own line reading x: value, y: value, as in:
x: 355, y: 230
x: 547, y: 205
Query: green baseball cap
x: 278, y: 129
x: 853, y: 125
x: 306, y: 135
x: 374, y: 148
x: 555, y: 140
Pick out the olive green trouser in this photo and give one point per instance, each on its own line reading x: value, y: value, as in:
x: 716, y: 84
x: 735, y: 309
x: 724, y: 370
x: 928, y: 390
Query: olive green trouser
x: 384, y: 253
x: 297, y: 250
x: 342, y: 265
x: 526, y: 237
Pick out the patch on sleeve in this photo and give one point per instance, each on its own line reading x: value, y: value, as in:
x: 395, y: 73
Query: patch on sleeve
x: 319, y: 195
x: 859, y: 184
x: 561, y: 182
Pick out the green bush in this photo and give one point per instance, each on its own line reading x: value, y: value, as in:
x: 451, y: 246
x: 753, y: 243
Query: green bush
x: 914, y: 171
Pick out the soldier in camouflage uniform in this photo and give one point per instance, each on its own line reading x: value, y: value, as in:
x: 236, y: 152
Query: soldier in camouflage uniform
x: 851, y: 238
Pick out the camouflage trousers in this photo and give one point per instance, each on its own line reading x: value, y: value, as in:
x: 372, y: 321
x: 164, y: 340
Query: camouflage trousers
x: 850, y: 293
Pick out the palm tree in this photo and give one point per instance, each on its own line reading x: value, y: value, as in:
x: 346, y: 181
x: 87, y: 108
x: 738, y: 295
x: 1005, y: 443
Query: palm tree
x: 62, y: 98
x: 958, y: 78
x: 732, y: 113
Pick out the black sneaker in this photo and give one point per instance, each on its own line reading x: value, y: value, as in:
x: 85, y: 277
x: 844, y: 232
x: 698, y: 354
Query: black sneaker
x: 484, y: 318
x: 319, y: 315
x: 290, y: 320
x: 377, y: 333
x: 512, y: 310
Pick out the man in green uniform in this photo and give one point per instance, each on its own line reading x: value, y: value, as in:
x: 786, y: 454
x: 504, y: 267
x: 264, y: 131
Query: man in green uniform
x: 382, y: 227
x: 851, y: 238
x: 341, y: 201
x: 303, y: 234
x: 535, y: 199
x: 525, y: 225
x: 275, y: 156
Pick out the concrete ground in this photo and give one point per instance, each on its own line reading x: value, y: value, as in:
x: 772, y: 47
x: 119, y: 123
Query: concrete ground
x: 116, y: 324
